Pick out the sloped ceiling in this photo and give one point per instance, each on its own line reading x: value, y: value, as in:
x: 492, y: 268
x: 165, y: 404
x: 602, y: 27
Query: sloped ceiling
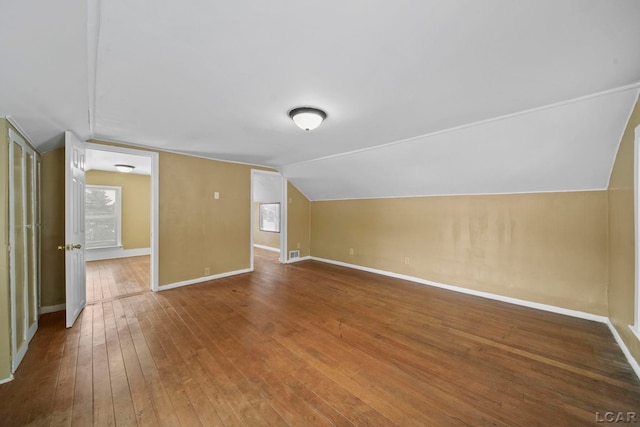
x: 44, y: 83
x: 217, y: 79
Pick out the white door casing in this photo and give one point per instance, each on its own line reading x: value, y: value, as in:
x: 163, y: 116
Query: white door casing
x: 75, y: 276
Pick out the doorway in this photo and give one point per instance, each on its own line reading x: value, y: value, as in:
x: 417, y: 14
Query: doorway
x: 120, y: 247
x: 268, y: 216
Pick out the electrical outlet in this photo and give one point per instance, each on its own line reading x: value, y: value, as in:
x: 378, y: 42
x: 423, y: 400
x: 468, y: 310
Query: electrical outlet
x: 207, y: 271
x: 350, y: 251
x: 406, y: 260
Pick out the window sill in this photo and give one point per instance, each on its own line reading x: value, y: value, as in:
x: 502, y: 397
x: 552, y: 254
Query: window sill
x: 105, y: 247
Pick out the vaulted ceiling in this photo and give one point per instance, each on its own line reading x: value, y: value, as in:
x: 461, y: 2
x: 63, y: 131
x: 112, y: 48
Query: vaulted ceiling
x: 423, y: 97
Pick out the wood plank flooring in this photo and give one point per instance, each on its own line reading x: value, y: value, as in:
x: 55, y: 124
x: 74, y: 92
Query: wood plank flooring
x: 314, y: 344
x: 114, y: 278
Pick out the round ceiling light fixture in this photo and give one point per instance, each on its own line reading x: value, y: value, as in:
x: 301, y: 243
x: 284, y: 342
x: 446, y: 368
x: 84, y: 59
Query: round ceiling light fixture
x: 124, y: 168
x: 307, y: 118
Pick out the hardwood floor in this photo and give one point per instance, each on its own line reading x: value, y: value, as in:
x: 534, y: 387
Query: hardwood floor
x: 314, y: 344
x: 114, y: 278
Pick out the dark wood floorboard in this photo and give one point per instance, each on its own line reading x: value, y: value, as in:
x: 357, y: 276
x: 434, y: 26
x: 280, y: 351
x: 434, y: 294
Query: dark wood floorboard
x: 311, y: 344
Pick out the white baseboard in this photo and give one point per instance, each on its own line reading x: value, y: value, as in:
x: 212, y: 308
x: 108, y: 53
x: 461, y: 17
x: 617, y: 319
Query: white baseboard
x: 525, y: 303
x: 632, y: 361
x: 203, y: 279
x: 6, y: 380
x: 113, y: 253
x: 293, y: 260
x: 551, y: 308
x: 52, y: 308
x: 32, y: 331
x: 17, y: 358
x: 267, y: 248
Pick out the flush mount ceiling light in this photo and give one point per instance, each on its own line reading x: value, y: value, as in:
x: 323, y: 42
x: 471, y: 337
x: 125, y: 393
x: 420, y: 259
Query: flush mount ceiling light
x: 125, y: 168
x: 307, y: 118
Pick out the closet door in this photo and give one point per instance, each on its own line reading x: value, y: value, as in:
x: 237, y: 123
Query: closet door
x: 23, y: 246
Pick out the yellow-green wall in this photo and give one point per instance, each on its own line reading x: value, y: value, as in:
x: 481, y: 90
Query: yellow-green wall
x: 52, y: 201
x: 622, y: 272
x: 264, y: 238
x: 136, y: 205
x: 5, y: 319
x: 548, y: 248
x: 197, y: 231
x: 298, y: 222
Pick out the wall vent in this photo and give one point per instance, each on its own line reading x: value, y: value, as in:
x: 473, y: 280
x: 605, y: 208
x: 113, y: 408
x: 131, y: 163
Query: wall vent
x: 294, y: 254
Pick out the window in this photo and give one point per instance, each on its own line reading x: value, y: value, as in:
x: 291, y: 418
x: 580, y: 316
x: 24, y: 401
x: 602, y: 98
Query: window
x: 270, y: 217
x: 102, y: 216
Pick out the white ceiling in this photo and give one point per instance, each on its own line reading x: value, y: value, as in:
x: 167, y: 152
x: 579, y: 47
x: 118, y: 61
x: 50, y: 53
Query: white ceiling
x: 106, y: 161
x: 217, y: 79
x: 267, y: 187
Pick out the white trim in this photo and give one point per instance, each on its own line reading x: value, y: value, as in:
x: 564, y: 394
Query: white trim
x: 21, y: 130
x: 155, y: 197
x: 304, y: 258
x: 12, y: 255
x: 98, y: 254
x: 632, y: 361
x: 545, y: 307
x: 6, y: 380
x: 476, y: 123
x: 17, y: 358
x: 32, y: 331
x: 418, y: 196
x: 204, y: 279
x: 101, y: 138
x: 635, y: 331
x: 516, y: 301
x: 266, y: 248
x: 52, y: 308
x: 622, y: 132
x: 15, y: 138
x: 283, y: 216
x: 636, y: 205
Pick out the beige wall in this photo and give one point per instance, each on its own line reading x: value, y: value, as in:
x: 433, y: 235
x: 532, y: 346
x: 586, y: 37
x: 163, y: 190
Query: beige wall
x: 197, y: 231
x: 5, y: 320
x: 136, y: 205
x: 264, y: 238
x: 298, y: 222
x: 52, y: 200
x: 622, y: 238
x: 547, y: 248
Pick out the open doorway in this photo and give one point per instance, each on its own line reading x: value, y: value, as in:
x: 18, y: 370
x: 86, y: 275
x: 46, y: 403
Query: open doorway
x: 268, y: 217
x: 118, y: 223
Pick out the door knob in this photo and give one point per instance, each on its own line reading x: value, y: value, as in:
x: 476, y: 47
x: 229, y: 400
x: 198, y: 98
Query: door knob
x: 61, y: 247
x: 78, y: 246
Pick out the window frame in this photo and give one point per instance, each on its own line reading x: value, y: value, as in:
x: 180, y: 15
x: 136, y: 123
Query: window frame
x: 118, y: 214
x: 263, y: 212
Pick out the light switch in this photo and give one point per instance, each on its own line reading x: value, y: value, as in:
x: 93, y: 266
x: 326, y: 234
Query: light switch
x: 216, y: 195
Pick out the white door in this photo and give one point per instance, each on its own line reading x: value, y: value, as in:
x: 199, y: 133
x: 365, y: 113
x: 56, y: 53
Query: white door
x: 23, y: 246
x: 76, y: 294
